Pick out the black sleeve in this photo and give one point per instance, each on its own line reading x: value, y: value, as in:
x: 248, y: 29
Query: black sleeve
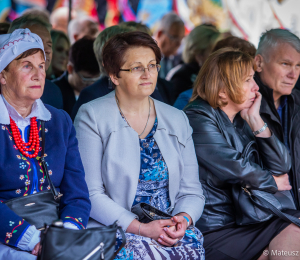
x: 224, y: 161
x: 274, y: 155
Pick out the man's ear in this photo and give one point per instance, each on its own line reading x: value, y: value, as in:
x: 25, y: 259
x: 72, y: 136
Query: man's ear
x: 2, y: 79
x: 114, y: 79
x: 159, y: 33
x: 70, y: 68
x: 75, y: 37
x: 259, y: 61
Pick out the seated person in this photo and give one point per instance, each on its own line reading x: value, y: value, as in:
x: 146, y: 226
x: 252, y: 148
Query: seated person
x: 22, y: 80
x: 232, y: 41
x: 60, y: 54
x: 224, y: 115
x: 137, y: 149
x: 83, y: 70
x: 52, y: 94
x: 169, y: 33
x: 59, y: 18
x: 198, y: 46
x: 82, y: 26
x: 103, y: 86
x: 278, y: 68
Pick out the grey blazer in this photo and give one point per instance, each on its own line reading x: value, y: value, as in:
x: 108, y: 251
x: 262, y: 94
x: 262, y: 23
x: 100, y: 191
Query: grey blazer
x: 110, y: 153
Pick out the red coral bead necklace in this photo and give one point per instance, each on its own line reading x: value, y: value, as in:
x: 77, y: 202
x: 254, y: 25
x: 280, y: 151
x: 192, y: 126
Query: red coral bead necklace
x: 33, y: 142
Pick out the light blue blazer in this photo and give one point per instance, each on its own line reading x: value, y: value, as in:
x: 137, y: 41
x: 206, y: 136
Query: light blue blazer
x: 110, y: 153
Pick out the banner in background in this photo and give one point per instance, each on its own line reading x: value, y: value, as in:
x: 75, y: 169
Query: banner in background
x: 151, y: 11
x: 5, y: 7
x: 249, y: 19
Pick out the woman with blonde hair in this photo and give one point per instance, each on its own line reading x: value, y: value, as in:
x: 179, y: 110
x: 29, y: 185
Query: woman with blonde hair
x: 198, y: 45
x: 224, y: 115
x: 60, y: 57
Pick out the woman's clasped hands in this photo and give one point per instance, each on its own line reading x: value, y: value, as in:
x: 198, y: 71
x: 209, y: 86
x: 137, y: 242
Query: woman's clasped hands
x: 167, y: 231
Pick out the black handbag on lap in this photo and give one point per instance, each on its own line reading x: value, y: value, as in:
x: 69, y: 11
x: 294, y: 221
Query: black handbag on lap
x: 146, y: 213
x: 254, y: 206
x: 42, y: 207
x: 58, y: 243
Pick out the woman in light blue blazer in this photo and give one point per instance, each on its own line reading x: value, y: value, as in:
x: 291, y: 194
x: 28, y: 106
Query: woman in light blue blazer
x: 136, y: 149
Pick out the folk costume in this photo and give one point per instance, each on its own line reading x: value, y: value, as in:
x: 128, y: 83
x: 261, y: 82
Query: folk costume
x: 21, y: 173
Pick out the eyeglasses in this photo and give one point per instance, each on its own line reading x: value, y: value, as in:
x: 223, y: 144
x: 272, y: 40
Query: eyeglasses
x: 88, y: 80
x: 152, y: 68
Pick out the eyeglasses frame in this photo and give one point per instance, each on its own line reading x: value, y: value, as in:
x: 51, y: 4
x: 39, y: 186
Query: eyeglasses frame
x: 158, y: 67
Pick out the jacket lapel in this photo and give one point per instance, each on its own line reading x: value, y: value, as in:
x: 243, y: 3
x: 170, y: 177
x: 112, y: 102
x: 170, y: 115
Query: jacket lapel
x: 267, y: 103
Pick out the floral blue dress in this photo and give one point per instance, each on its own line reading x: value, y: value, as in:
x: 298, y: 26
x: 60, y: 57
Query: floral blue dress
x: 153, y: 189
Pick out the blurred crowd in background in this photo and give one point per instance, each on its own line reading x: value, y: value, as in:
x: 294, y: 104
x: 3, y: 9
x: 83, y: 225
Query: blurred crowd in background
x: 74, y: 35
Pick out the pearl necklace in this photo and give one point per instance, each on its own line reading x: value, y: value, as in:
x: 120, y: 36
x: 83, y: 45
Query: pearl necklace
x: 33, y: 143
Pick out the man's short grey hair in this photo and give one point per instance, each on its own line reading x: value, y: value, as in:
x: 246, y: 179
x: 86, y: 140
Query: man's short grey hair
x: 75, y: 27
x: 28, y: 20
x: 271, y: 39
x: 102, y: 38
x: 168, y: 20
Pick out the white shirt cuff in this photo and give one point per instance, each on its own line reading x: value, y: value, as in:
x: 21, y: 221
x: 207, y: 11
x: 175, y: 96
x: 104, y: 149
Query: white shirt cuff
x: 29, y: 239
x: 70, y: 225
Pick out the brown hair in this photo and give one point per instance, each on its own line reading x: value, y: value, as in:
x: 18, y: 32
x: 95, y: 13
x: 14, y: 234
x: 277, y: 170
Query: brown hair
x: 114, y: 50
x: 236, y: 43
x: 26, y: 54
x: 225, y: 69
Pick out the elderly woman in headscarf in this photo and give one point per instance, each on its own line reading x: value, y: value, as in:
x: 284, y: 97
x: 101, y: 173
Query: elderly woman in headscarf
x: 22, y: 79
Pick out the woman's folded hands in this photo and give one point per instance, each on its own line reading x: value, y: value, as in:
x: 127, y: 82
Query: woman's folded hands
x: 174, y: 233
x: 167, y: 232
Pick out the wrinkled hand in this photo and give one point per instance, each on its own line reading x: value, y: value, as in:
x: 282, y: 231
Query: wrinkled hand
x: 36, y: 249
x: 283, y: 182
x: 173, y: 235
x: 252, y: 111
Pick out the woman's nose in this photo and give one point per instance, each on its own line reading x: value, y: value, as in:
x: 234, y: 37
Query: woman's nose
x: 146, y: 73
x: 255, y: 86
x: 38, y: 74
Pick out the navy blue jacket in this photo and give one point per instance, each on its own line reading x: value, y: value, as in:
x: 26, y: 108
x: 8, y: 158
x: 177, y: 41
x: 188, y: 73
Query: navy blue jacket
x: 20, y: 176
x: 67, y: 92
x: 52, y: 95
x: 99, y: 89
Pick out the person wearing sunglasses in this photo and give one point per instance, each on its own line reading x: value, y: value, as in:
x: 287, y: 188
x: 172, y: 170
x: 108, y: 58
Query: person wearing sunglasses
x: 137, y: 149
x: 82, y: 71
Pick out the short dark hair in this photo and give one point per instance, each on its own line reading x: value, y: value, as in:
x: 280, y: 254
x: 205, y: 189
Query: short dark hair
x: 83, y: 57
x: 26, y: 54
x: 236, y: 43
x: 114, y: 50
x: 4, y: 28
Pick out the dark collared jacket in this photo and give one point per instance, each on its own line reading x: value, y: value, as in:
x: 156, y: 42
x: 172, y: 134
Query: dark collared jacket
x: 67, y: 92
x: 219, y: 145
x: 270, y: 116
